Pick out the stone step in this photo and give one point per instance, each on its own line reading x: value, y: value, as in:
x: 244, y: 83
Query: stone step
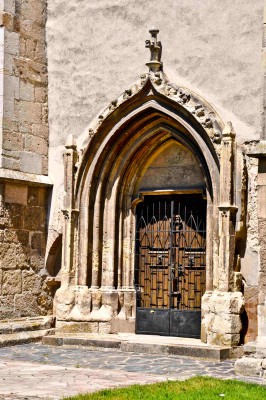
x: 201, y: 351
x: 12, y: 339
x: 10, y: 326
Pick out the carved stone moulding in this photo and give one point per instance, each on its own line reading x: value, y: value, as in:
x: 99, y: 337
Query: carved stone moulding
x: 99, y: 241
x: 160, y: 84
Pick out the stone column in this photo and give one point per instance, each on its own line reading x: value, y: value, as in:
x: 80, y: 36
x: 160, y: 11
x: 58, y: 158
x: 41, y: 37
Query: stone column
x: 68, y: 273
x: 227, y: 212
x: 73, y: 300
x: 125, y: 320
x: 108, y: 258
x: 221, y: 308
x: 95, y: 246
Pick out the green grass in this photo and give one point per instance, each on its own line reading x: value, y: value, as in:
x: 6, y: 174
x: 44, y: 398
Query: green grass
x: 199, y: 388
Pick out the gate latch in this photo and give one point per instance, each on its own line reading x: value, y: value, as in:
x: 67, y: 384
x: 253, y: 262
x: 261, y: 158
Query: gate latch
x: 180, y: 270
x: 138, y: 291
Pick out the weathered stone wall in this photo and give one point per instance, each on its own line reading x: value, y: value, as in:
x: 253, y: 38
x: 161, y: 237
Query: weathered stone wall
x: 92, y: 61
x: 262, y: 242
x: 250, y: 264
x: 24, y: 290
x: 24, y: 86
x: 250, y: 319
x: 24, y: 159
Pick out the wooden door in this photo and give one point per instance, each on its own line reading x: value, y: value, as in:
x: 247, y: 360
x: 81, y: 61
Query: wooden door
x: 170, y: 264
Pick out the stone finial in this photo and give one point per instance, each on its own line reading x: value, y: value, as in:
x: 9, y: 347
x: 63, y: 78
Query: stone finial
x: 155, y: 64
x: 228, y: 131
x: 70, y: 142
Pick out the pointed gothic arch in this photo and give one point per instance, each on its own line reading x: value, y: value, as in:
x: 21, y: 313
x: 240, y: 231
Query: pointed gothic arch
x: 112, y: 160
x: 102, y: 190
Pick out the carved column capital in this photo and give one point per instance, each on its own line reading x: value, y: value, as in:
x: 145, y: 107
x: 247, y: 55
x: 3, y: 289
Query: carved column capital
x: 227, y: 166
x: 71, y: 143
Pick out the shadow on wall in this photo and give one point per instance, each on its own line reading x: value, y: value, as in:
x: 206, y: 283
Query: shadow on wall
x: 53, y: 265
x: 24, y: 290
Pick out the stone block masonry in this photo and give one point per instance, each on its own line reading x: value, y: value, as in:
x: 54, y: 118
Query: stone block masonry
x: 23, y: 287
x: 23, y: 86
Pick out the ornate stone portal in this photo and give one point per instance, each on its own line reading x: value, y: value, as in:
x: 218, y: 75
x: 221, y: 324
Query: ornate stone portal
x: 153, y: 126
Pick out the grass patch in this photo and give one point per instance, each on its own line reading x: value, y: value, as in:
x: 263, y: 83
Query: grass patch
x: 199, y: 388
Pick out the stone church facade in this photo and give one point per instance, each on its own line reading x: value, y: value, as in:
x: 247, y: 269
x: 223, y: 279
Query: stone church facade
x: 145, y: 211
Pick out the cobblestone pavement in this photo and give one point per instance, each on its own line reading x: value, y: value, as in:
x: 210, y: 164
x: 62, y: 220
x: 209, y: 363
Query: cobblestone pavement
x: 35, y: 371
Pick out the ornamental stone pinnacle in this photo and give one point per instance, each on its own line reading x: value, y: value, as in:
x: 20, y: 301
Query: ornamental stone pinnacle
x: 155, y: 64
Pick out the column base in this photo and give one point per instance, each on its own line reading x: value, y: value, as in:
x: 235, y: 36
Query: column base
x: 106, y: 311
x: 73, y: 303
x: 221, y: 318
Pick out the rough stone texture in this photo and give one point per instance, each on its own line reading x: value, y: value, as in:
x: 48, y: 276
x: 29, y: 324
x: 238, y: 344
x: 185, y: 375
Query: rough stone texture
x: 255, y: 360
x: 24, y: 88
x: 24, y: 291
x: 249, y: 367
x: 79, y: 309
x: 16, y: 194
x: 174, y: 166
x: 82, y: 304
x: 250, y: 261
x: 11, y: 283
x: 26, y: 324
x: 221, y: 320
x: 251, y: 308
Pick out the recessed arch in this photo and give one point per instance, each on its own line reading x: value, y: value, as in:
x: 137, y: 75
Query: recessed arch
x: 170, y: 165
x: 119, y: 146
x: 123, y: 141
x: 140, y: 109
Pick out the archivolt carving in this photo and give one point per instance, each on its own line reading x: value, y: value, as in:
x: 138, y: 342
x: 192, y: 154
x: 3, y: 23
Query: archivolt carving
x: 150, y: 114
x: 102, y: 189
x: 160, y: 84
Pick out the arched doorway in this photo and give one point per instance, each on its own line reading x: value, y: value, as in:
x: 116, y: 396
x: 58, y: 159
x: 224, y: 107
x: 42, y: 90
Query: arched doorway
x: 152, y: 126
x: 170, y: 251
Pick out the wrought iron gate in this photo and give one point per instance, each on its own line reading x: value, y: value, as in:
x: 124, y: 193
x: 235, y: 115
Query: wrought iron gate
x: 170, y: 269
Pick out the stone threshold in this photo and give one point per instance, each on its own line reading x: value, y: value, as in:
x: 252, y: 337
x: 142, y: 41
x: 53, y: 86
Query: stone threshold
x: 25, y: 330
x: 10, y: 326
x: 160, y: 345
x: 13, y: 339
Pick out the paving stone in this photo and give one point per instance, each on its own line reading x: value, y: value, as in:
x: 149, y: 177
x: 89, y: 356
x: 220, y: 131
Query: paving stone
x: 35, y: 371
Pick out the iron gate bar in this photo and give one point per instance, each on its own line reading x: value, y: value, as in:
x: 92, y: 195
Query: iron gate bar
x: 170, y: 263
x: 171, y: 253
